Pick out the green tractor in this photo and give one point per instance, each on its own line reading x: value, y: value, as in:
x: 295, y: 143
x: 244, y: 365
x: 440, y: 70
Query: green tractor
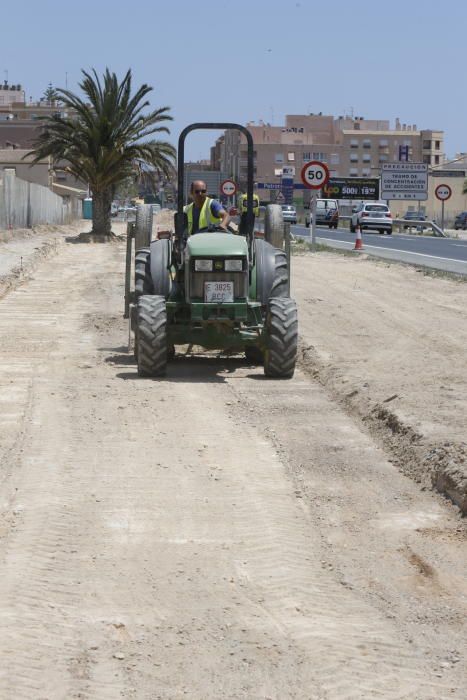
x: 215, y: 289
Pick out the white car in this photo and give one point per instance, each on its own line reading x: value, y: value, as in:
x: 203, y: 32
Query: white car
x: 372, y: 215
x: 289, y: 213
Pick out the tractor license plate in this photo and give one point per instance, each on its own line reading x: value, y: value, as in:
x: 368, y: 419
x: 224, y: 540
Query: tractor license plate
x: 218, y: 292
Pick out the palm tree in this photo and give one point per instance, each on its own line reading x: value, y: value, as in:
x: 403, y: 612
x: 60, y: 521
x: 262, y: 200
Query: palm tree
x: 106, y: 139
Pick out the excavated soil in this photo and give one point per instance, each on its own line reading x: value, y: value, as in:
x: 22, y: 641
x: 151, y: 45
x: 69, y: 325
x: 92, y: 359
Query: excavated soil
x: 388, y: 342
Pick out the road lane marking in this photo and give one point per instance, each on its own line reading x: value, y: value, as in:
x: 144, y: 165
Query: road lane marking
x: 397, y: 250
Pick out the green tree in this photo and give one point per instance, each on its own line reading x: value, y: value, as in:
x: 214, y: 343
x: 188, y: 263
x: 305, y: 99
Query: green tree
x: 105, y: 140
x: 464, y: 189
x: 51, y: 94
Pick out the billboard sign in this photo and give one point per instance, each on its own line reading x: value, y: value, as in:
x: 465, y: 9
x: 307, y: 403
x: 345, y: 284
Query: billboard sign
x: 352, y: 188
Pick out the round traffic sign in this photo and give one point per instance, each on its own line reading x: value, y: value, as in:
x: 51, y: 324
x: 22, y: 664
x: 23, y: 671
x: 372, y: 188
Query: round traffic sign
x: 228, y: 187
x: 315, y: 174
x: 443, y: 192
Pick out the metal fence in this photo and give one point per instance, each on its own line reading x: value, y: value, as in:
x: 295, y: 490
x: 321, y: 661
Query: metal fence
x: 25, y: 204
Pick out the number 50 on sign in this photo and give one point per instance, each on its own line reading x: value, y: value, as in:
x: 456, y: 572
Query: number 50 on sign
x: 315, y: 174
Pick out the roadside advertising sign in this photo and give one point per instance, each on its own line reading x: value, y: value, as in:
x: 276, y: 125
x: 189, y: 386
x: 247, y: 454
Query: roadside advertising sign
x: 404, y: 181
x: 443, y: 192
x: 352, y: 188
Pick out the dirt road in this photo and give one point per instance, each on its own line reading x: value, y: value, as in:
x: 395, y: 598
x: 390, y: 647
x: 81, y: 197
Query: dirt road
x: 208, y: 535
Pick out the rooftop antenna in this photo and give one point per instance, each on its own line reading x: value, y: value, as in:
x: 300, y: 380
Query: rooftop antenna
x: 6, y: 76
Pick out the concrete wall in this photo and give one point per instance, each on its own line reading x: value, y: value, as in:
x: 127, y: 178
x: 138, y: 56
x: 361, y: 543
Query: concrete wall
x: 25, y: 204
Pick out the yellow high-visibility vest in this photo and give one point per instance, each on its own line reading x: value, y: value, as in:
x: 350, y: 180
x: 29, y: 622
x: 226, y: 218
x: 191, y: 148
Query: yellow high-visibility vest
x: 206, y: 217
x: 244, y: 199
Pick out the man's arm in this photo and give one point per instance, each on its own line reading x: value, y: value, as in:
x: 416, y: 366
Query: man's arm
x: 218, y: 211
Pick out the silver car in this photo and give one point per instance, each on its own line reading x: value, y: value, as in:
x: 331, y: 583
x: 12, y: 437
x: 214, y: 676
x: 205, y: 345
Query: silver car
x: 372, y: 215
x: 289, y: 213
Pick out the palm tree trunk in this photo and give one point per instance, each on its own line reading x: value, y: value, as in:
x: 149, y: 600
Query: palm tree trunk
x: 101, y: 206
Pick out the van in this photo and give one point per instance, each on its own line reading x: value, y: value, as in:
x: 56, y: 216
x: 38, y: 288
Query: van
x: 327, y: 213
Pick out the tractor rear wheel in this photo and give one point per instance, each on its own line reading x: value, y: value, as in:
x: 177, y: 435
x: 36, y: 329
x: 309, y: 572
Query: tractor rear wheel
x: 281, y: 278
x: 143, y: 226
x: 272, y: 274
x: 274, y: 225
x: 159, y: 264
x: 280, y: 356
x: 143, y: 281
x: 151, y: 336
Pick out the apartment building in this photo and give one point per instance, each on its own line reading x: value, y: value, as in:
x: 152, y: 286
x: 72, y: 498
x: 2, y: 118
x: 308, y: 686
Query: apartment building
x: 19, y: 126
x: 351, y: 146
x: 10, y: 94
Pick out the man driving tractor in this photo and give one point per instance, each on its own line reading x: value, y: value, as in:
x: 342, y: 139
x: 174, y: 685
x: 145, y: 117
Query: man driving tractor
x: 204, y: 212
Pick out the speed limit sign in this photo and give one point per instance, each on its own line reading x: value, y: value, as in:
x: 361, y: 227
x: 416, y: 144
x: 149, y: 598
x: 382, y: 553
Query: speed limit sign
x: 315, y: 174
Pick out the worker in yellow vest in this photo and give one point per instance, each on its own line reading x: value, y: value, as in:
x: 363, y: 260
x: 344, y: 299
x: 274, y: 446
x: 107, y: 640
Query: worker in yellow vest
x: 204, y: 212
x: 243, y: 204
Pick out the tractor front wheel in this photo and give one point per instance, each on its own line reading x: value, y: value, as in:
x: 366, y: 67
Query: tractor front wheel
x: 151, y: 336
x: 280, y: 356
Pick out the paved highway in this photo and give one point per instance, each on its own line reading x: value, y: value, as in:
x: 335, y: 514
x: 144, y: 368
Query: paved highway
x: 448, y: 254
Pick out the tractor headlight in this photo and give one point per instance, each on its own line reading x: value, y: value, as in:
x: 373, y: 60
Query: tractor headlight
x: 203, y: 265
x: 233, y: 265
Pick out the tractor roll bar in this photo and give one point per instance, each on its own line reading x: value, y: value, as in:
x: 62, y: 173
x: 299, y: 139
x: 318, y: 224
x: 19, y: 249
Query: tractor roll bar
x: 181, y: 172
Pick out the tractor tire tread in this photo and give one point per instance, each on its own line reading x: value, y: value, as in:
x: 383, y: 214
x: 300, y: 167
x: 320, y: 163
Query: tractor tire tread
x: 143, y: 281
x: 151, y: 336
x: 143, y: 225
x: 281, y: 279
x: 274, y: 225
x: 282, y: 326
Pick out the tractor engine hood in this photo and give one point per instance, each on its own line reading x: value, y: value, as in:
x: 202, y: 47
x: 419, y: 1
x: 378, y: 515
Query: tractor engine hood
x: 216, y: 245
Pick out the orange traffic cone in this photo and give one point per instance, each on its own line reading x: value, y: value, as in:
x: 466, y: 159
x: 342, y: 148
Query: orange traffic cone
x: 358, y: 240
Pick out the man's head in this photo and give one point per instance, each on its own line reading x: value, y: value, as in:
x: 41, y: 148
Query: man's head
x: 198, y: 191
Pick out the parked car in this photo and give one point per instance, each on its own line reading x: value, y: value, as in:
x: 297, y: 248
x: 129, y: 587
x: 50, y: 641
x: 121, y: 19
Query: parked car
x: 327, y: 213
x: 372, y: 215
x: 289, y: 213
x: 414, y: 216
x: 461, y: 221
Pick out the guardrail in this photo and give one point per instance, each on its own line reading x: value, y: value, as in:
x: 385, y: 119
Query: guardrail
x: 409, y: 223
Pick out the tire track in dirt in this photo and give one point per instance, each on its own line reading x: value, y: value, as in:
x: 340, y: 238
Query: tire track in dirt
x: 339, y: 568
x: 159, y: 547
x: 41, y: 573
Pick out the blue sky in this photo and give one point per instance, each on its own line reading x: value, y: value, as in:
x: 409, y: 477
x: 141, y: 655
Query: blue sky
x: 239, y: 61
